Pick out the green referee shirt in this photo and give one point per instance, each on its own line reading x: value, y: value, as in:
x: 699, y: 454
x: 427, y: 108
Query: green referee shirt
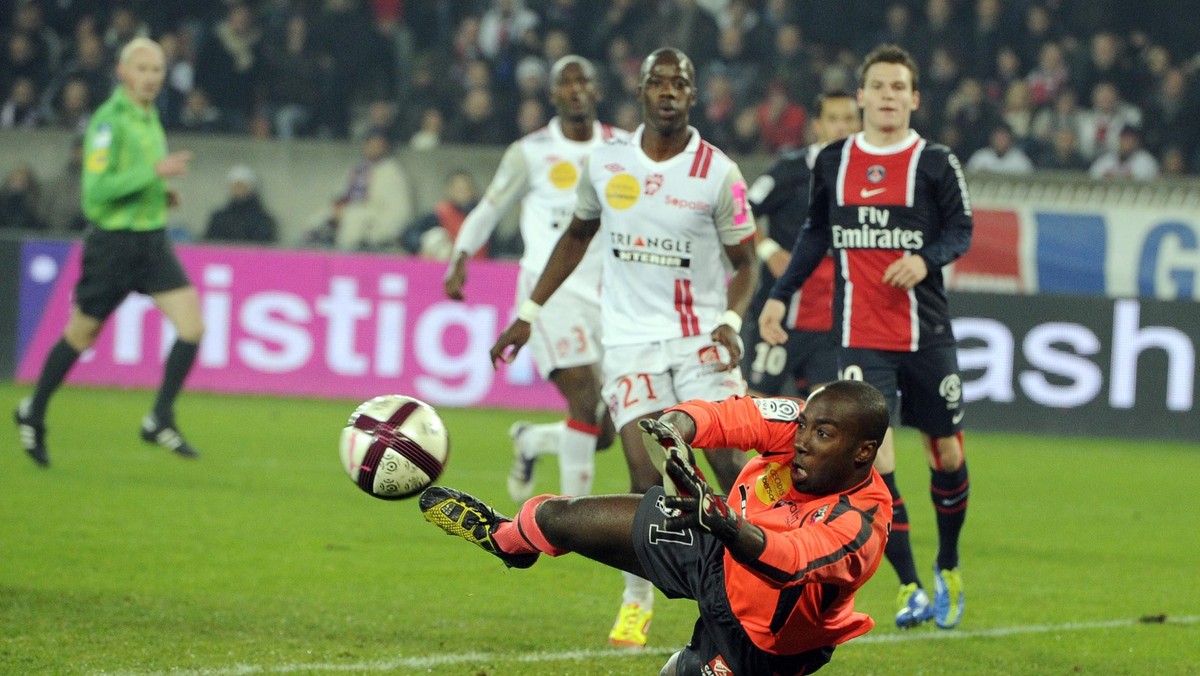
x: 122, y: 145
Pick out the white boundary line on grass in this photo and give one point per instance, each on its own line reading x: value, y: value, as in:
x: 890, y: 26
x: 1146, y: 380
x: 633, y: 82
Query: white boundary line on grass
x: 609, y: 653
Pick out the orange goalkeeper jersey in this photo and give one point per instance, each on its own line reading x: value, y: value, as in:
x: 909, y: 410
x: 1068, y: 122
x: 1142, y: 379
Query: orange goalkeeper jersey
x: 799, y: 594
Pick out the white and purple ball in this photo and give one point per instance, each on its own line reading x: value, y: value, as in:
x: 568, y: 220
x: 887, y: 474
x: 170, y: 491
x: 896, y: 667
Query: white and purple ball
x: 394, y: 446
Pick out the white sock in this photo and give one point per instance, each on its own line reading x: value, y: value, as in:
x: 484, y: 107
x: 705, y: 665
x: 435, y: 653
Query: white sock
x: 543, y: 438
x: 638, y: 590
x: 576, y: 460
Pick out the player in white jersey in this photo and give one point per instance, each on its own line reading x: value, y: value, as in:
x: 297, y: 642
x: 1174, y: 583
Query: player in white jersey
x: 541, y: 171
x: 668, y: 211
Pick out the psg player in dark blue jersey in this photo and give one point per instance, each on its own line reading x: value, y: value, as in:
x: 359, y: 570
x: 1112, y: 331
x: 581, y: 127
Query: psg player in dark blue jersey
x: 809, y: 357
x: 895, y: 210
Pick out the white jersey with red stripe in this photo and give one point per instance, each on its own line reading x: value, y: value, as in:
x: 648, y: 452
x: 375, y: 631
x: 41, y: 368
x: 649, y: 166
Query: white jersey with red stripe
x: 663, y: 229
x: 541, y: 170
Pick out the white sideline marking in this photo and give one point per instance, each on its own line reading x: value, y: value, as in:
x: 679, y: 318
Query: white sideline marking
x: 610, y: 653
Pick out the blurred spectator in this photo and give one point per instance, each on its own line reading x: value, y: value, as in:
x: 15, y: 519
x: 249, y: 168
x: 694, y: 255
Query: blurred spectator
x: 781, y: 121
x: 28, y: 19
x: 793, y: 64
x: 1062, y: 153
x: 199, y: 114
x: 372, y: 211
x: 90, y: 64
x: 229, y: 65
x: 532, y: 77
x: 477, y: 121
x: 1017, y: 112
x: 1050, y: 75
x: 432, y: 235
x: 556, y: 45
x: 1128, y: 161
x: 72, y: 109
x: 985, y: 35
x: 689, y: 27
x: 1170, y: 116
x: 1001, y: 155
x: 356, y: 62
x: 429, y: 134
x: 745, y: 138
x: 20, y: 109
x: 123, y: 26
x: 1039, y: 30
x: 1006, y: 71
x: 743, y: 17
x: 379, y: 118
x: 937, y: 85
x: 502, y: 25
x: 718, y: 108
x: 973, y: 114
x: 1063, y: 114
x: 1105, y: 62
x: 21, y: 61
x: 735, y: 63
x: 627, y: 116
x: 243, y: 218
x: 293, y: 79
x: 1174, y: 162
x: 531, y: 116
x: 940, y: 29
x: 179, y: 80
x: 1100, y: 127
x: 19, y: 200
x: 61, y: 206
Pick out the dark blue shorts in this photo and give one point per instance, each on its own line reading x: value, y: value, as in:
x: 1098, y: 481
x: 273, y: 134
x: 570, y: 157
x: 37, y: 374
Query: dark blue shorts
x: 807, y: 359
x: 922, y: 388
x: 688, y: 564
x: 119, y: 262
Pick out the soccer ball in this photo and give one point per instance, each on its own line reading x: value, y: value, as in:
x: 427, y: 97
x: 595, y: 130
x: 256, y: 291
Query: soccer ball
x: 394, y: 446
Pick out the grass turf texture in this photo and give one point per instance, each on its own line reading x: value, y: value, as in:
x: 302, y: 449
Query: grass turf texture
x: 262, y: 557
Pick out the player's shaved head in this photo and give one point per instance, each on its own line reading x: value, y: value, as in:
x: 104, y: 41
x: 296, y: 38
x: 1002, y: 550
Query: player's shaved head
x: 135, y: 45
x: 672, y: 54
x: 556, y: 71
x: 871, y: 410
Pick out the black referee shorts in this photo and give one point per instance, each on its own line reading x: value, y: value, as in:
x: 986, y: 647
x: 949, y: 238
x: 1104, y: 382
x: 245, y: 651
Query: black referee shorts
x: 118, y: 262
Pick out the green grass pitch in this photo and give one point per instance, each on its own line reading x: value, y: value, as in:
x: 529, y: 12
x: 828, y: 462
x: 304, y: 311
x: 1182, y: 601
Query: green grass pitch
x: 262, y: 557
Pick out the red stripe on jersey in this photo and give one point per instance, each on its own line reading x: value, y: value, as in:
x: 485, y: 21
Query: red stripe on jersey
x: 874, y: 315
x: 707, y: 159
x: 689, y: 324
x: 697, y: 160
x: 811, y: 308
x: 702, y: 161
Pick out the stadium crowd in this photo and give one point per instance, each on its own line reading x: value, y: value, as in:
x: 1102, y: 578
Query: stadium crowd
x: 1009, y: 85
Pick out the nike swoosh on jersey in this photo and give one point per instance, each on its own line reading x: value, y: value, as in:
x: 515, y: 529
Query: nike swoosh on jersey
x: 864, y: 193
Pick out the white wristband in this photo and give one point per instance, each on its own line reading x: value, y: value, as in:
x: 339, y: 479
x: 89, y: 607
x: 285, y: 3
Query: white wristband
x: 733, y: 320
x: 767, y: 248
x: 528, y: 310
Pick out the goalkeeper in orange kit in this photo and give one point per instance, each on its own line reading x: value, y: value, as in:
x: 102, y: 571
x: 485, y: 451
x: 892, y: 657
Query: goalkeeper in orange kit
x: 773, y: 567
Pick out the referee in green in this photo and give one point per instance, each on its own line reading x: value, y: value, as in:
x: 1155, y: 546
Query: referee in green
x: 125, y: 199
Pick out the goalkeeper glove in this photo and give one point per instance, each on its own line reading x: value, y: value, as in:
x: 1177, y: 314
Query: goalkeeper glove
x: 660, y: 440
x: 699, y: 506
